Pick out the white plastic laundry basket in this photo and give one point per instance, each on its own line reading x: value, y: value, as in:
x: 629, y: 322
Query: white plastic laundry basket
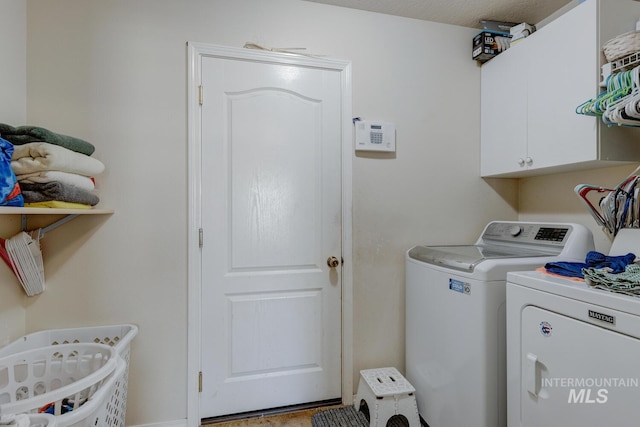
x: 28, y: 420
x: 63, y: 377
x: 117, y: 336
x: 95, y: 412
x: 42, y: 420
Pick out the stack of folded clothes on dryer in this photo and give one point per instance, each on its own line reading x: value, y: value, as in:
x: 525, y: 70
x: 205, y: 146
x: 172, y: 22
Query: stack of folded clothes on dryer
x: 53, y: 170
x: 620, y: 274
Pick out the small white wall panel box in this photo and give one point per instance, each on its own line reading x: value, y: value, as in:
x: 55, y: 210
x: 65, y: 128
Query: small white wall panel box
x: 375, y: 136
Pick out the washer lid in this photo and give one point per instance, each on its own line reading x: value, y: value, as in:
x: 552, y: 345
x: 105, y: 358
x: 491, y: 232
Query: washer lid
x: 467, y: 257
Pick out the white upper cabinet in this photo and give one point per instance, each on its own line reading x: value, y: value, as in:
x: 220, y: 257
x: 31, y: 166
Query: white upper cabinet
x: 503, y: 115
x: 530, y: 93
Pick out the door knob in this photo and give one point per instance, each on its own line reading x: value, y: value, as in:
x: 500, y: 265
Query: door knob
x: 333, y: 262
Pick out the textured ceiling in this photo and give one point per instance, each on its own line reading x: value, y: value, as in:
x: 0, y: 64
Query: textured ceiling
x: 466, y: 13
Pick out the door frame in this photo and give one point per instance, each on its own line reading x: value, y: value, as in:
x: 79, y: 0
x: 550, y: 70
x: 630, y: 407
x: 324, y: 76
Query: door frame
x: 196, y: 51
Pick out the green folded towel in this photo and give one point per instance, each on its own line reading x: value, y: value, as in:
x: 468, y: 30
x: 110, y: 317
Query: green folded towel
x: 26, y: 134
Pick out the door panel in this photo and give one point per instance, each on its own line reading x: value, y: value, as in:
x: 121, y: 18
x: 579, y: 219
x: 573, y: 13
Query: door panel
x: 555, y: 132
x: 504, y: 119
x: 275, y: 212
x: 261, y: 324
x: 576, y: 373
x: 271, y: 215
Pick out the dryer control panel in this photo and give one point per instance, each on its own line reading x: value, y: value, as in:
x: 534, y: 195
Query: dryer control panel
x: 527, y: 232
x: 558, y: 237
x: 552, y: 234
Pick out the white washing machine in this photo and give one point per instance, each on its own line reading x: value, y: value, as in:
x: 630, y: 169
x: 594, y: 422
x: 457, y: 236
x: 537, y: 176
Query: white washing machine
x: 455, y: 317
x: 573, y: 351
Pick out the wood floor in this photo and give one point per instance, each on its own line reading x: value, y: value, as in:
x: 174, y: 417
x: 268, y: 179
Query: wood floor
x: 290, y: 419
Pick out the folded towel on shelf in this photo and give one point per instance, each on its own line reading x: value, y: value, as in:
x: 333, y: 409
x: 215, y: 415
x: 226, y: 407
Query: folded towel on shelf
x: 34, y: 193
x: 40, y: 156
x: 57, y: 204
x: 44, y: 177
x: 9, y: 189
x: 26, y: 134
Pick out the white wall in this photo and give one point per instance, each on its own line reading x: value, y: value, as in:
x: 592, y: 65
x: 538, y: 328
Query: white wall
x: 114, y: 73
x: 13, y: 87
x: 13, y: 77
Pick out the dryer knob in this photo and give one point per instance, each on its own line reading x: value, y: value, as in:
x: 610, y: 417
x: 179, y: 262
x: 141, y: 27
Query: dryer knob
x: 515, y: 230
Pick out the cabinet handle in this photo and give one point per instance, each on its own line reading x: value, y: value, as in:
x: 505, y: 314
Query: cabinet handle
x: 528, y: 161
x: 521, y: 161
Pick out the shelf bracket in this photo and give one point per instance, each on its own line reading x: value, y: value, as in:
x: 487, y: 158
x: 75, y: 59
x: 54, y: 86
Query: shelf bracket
x: 53, y: 226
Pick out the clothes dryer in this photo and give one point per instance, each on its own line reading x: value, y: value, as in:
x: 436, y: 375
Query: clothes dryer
x: 455, y: 316
x: 572, y: 350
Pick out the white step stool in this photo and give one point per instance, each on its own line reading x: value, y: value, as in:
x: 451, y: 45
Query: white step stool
x: 387, y: 393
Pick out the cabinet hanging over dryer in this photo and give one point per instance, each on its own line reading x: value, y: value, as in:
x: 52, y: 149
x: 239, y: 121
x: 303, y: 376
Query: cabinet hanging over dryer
x: 529, y: 124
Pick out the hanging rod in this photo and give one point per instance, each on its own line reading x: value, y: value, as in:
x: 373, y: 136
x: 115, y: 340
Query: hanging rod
x: 53, y: 226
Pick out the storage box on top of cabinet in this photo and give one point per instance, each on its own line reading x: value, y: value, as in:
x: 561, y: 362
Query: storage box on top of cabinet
x: 119, y: 337
x: 488, y: 44
x: 530, y: 93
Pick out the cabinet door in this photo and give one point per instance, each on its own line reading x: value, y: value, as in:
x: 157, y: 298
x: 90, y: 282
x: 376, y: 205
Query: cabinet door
x: 563, y: 72
x: 503, y: 115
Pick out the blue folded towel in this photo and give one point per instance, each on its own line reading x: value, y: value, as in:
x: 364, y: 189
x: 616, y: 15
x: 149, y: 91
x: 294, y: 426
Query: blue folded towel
x: 593, y: 259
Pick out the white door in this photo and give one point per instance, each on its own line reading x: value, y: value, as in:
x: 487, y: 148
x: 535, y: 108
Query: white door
x: 271, y: 217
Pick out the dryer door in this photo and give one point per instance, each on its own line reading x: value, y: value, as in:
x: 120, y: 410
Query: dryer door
x: 577, y: 373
